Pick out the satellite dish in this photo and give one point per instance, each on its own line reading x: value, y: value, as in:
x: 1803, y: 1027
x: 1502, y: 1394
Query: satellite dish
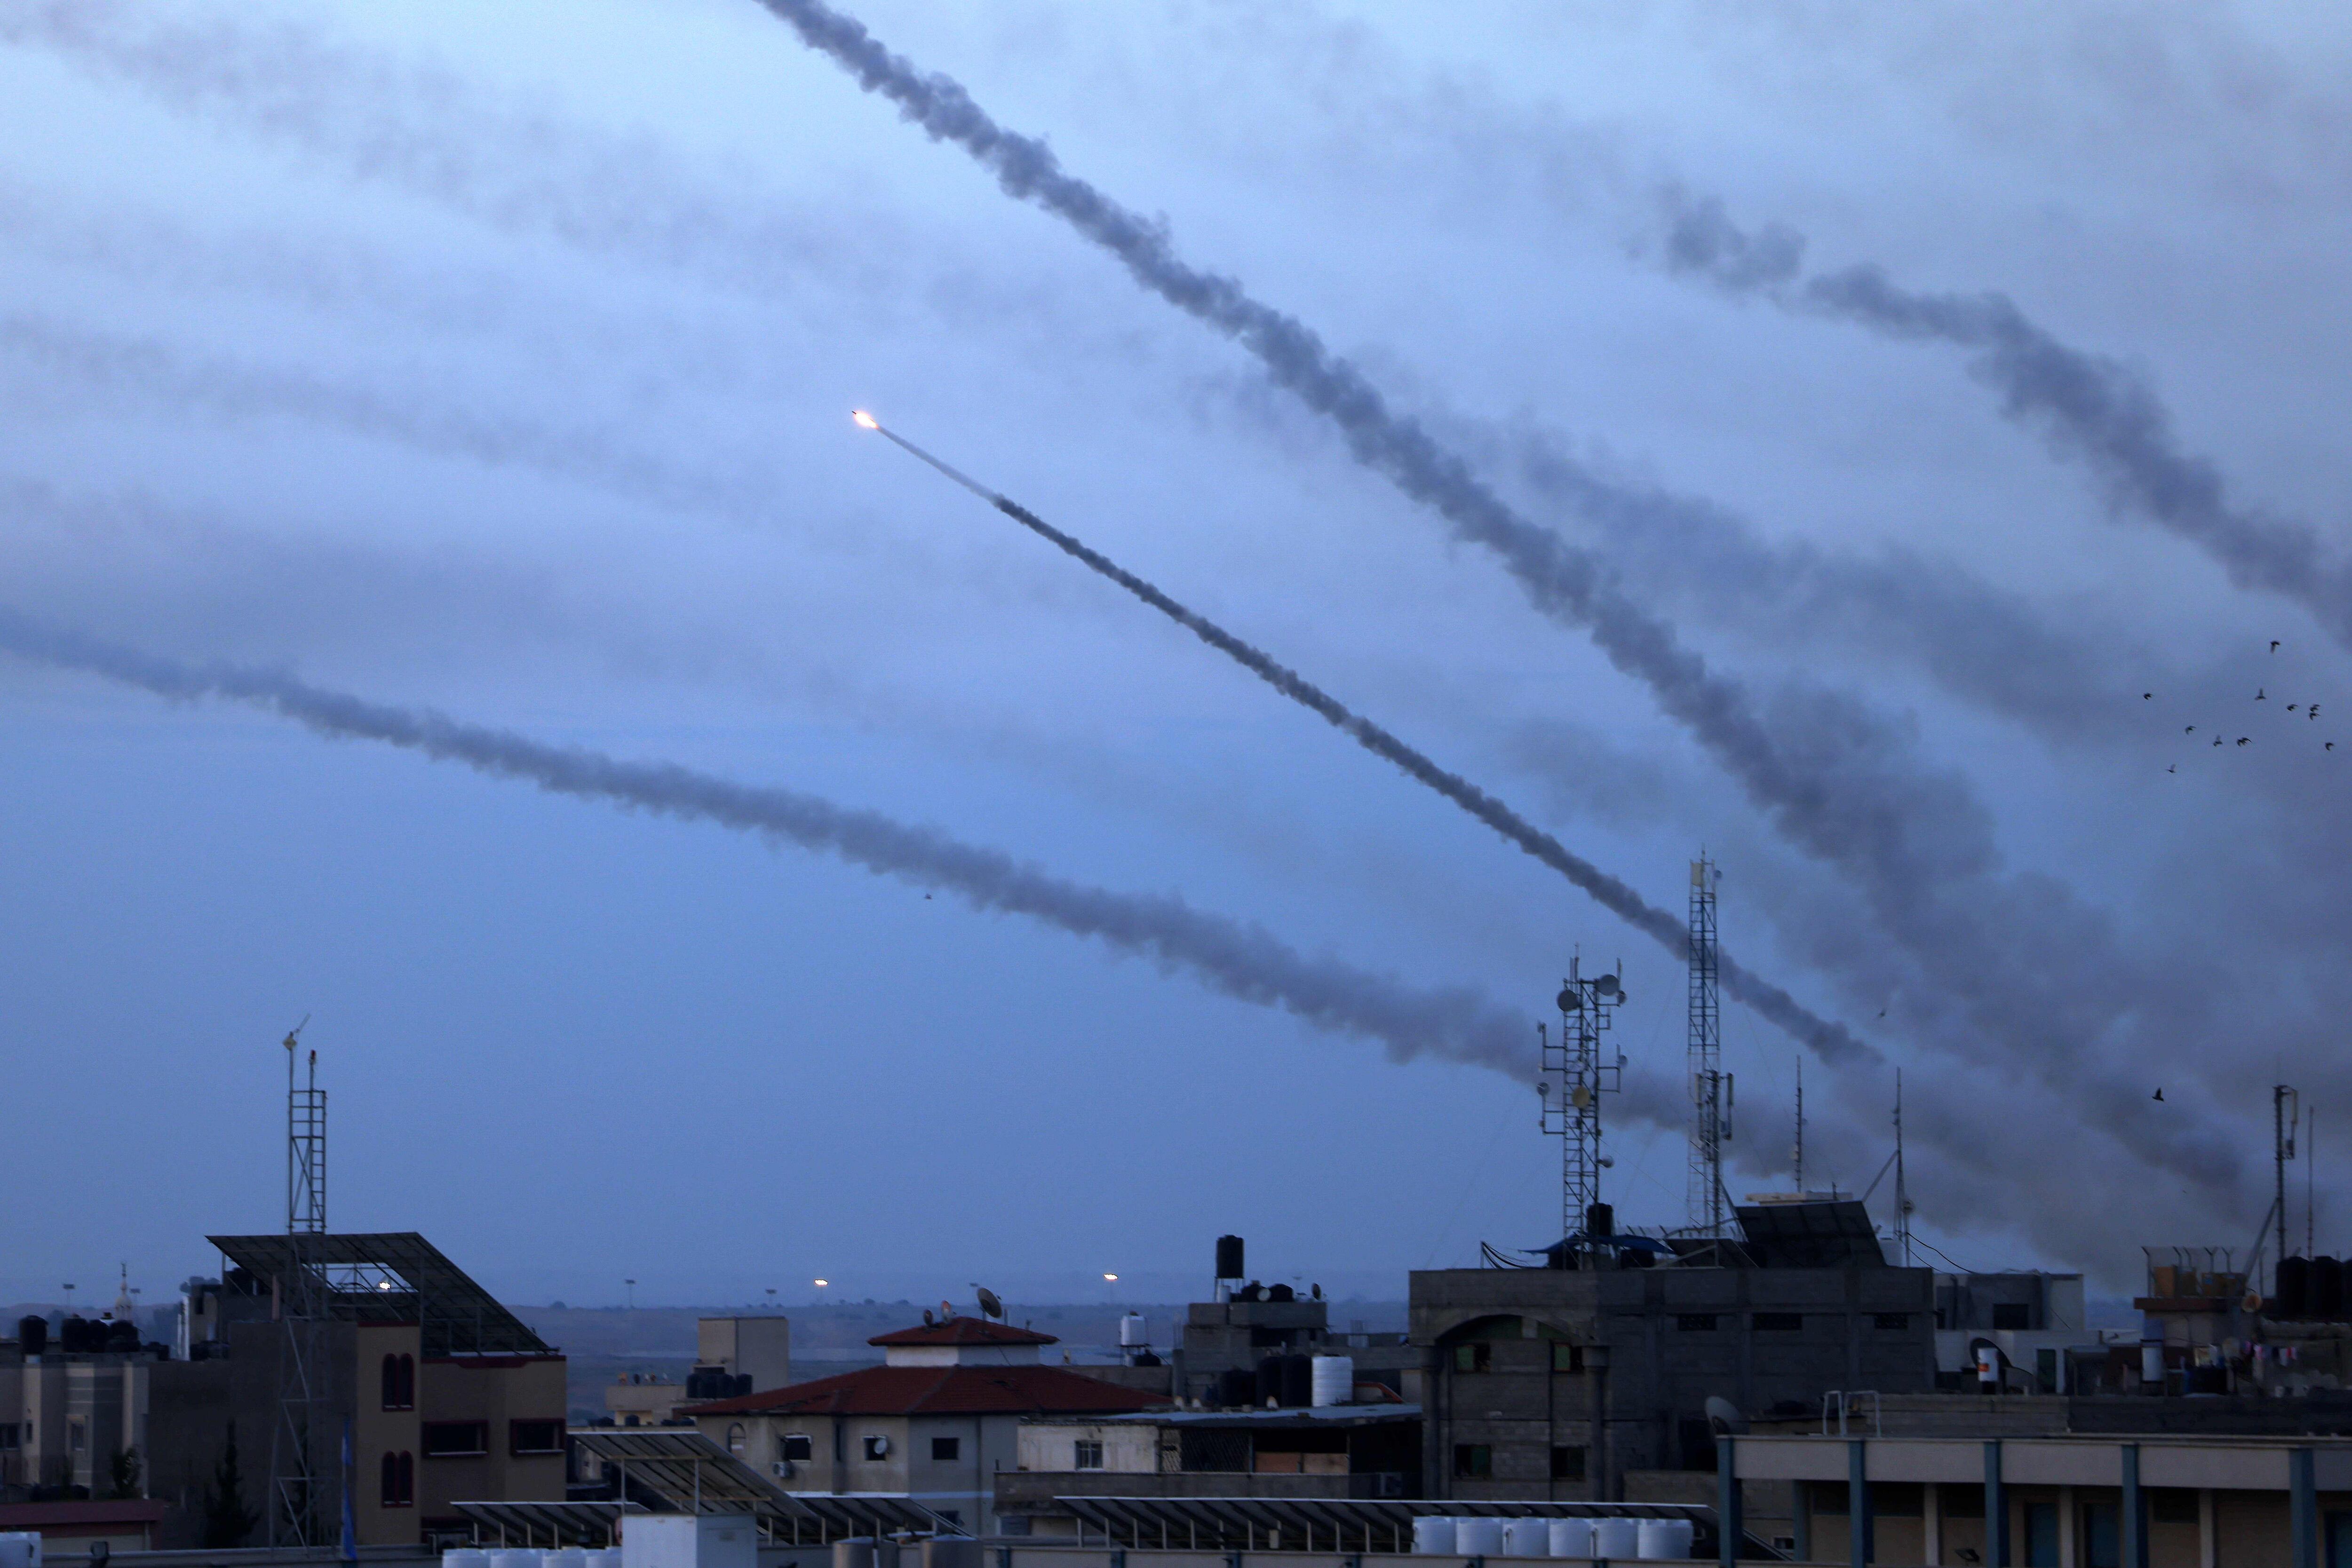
x: 928, y: 1319
x: 1724, y: 1417
x: 1569, y: 1002
x: 2254, y: 1301
x: 1608, y: 987
x: 946, y: 1311
x: 989, y: 1307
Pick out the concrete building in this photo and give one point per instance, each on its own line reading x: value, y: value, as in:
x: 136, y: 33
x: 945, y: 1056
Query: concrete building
x: 732, y: 1356
x: 1334, y: 1451
x: 449, y: 1396
x: 1562, y: 1383
x: 2073, y: 1502
x: 65, y: 1417
x: 933, y: 1424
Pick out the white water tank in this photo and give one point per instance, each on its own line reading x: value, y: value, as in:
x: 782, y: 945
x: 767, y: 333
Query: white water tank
x: 515, y: 1557
x: 1130, y: 1330
x: 1527, y: 1537
x: 1616, y: 1538
x: 1571, y: 1537
x: 1666, y: 1539
x: 1331, y: 1380
x: 21, y: 1549
x: 1478, y: 1537
x: 1432, y: 1537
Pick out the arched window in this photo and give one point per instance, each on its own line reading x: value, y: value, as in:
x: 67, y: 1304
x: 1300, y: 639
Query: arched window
x: 407, y: 1476
x: 735, y: 1438
x: 407, y: 1381
x: 391, y: 1400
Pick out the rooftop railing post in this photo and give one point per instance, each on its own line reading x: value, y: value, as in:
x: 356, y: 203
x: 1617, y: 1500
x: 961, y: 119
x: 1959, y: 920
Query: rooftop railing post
x: 1996, y: 1508
x: 2304, y: 1507
x: 2134, y: 1511
x: 1729, y: 1527
x: 1857, y: 1501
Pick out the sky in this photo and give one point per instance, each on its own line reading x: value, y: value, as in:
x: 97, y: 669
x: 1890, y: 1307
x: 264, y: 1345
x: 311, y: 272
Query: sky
x: 1854, y: 443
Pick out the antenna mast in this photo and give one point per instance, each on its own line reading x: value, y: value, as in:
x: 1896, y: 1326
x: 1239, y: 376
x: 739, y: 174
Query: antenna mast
x: 303, y: 1309
x: 1575, y: 1077
x: 1710, y: 1086
x: 1801, y: 1126
x: 2283, y: 1127
x: 1902, y: 1192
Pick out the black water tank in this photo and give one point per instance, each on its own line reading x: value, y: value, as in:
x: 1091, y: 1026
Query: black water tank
x: 32, y: 1334
x: 123, y: 1335
x: 1298, y: 1381
x: 1253, y: 1292
x: 1236, y: 1387
x: 1599, y: 1221
x: 2325, y: 1297
x: 2293, y: 1288
x: 1228, y: 1258
x: 1280, y: 1293
x: 1268, y: 1386
x: 73, y: 1337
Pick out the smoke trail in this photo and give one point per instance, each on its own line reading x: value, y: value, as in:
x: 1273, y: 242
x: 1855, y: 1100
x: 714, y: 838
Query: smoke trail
x: 1240, y: 960
x: 1833, y: 1041
x: 1831, y: 775
x: 2087, y: 406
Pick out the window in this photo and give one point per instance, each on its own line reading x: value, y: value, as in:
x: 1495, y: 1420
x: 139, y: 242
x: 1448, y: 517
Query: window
x: 539, y: 1437
x: 1567, y: 1463
x: 77, y: 1435
x: 1567, y: 1357
x: 2011, y: 1315
x: 945, y: 1450
x: 735, y: 1438
x: 1696, y: 1323
x: 2172, y: 1505
x: 1473, y: 1461
x: 8, y: 1438
x: 1475, y: 1356
x: 1894, y: 1323
x: 396, y: 1479
x: 400, y: 1383
x: 1778, y: 1323
x: 799, y: 1446
x: 877, y: 1446
x: 1086, y: 1454
x: 454, y: 1439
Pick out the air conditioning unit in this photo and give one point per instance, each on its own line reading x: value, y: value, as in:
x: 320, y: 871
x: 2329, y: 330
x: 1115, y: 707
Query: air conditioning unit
x: 783, y: 1470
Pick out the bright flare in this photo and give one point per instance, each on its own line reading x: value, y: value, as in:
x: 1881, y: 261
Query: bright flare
x: 822, y: 1284
x: 1110, y: 1276
x: 864, y: 418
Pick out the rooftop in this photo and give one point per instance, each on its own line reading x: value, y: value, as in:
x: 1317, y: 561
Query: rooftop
x: 940, y: 1391
x: 963, y: 1331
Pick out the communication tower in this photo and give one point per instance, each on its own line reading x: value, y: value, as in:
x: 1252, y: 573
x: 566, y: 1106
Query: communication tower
x: 302, y: 1308
x: 1574, y: 1078
x: 1710, y: 1086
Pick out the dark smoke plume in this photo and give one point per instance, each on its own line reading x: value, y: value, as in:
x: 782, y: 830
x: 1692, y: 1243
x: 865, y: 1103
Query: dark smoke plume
x: 2087, y: 406
x: 1236, y: 959
x: 1833, y: 1041
x: 1833, y: 776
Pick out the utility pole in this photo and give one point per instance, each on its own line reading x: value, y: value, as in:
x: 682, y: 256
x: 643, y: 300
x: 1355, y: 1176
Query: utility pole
x: 1801, y: 1127
x: 302, y: 1309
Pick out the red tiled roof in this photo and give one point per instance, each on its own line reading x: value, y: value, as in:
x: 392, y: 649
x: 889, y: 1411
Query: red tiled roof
x: 964, y: 1330
x: 940, y: 1391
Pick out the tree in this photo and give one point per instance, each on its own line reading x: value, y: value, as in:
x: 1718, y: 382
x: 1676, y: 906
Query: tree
x: 227, y: 1521
x: 123, y: 1471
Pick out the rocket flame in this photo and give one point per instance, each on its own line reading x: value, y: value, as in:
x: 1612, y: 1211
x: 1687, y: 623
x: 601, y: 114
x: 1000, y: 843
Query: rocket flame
x: 866, y: 419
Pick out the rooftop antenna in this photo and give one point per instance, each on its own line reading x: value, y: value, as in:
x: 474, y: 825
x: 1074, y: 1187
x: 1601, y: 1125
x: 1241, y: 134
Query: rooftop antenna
x: 1574, y: 1078
x: 300, y: 1302
x: 2286, y: 1112
x: 1902, y: 1192
x: 2310, y: 1180
x: 1801, y: 1127
x: 1710, y: 1086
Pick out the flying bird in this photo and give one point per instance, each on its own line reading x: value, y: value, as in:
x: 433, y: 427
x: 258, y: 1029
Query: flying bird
x: 2217, y: 740
x: 2172, y: 770
x: 2242, y: 740
x: 2259, y: 697
x: 2290, y: 708
x: 2274, y: 642
x: 2190, y: 730
x: 2159, y: 1094
x: 2145, y: 696
x: 2331, y: 746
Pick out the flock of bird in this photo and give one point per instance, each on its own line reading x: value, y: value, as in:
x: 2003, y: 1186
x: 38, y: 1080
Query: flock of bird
x: 2309, y: 712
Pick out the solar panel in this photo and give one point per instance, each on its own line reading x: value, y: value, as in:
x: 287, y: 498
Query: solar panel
x: 1824, y: 1235
x: 393, y: 1277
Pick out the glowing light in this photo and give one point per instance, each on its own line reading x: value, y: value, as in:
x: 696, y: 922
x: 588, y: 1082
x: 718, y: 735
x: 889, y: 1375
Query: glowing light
x: 1113, y: 1279
x: 821, y: 1285
x: 866, y: 419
